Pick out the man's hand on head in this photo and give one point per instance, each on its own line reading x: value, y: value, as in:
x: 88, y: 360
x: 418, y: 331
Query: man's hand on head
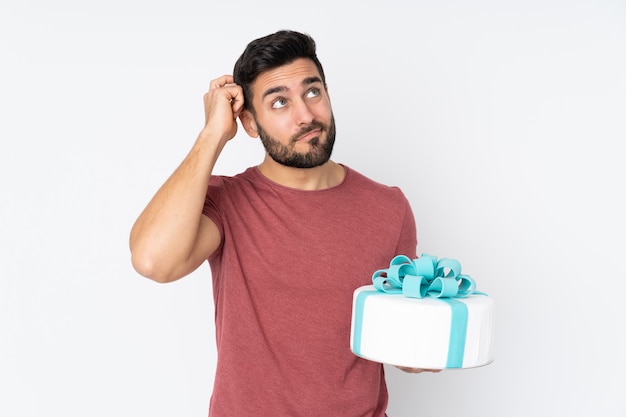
x: 222, y: 105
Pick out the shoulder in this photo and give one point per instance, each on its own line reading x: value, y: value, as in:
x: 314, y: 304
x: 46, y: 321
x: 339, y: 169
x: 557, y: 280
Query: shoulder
x: 241, y: 178
x: 363, y: 183
x: 225, y: 184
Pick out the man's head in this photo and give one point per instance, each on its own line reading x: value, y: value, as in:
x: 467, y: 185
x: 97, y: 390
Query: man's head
x: 286, y: 100
x: 270, y: 52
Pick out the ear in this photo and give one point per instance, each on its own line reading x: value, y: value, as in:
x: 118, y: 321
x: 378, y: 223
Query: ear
x: 248, y: 123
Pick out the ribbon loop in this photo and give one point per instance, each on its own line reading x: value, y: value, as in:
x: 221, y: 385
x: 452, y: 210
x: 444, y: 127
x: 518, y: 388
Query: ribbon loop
x: 414, y: 286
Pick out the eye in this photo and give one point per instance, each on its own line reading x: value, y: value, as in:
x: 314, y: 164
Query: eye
x: 279, y: 103
x: 313, y: 92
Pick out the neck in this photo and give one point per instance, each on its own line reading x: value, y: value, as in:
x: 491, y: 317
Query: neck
x: 322, y: 177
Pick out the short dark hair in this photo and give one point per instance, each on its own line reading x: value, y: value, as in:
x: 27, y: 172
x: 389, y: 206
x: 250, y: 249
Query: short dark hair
x: 269, y: 52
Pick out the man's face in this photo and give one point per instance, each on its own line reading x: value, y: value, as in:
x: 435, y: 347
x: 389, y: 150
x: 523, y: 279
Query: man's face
x: 293, y: 115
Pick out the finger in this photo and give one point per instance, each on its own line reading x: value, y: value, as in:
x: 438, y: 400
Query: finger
x: 222, y: 81
x: 417, y: 370
x: 236, y: 101
x: 229, y: 92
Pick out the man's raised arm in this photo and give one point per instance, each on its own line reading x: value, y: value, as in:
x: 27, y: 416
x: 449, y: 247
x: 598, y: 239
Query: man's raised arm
x: 171, y: 237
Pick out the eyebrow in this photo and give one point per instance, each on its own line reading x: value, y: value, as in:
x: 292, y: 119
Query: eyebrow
x: 282, y: 88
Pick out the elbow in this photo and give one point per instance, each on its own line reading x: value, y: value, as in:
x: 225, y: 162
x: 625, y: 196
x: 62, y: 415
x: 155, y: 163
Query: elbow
x: 146, y: 266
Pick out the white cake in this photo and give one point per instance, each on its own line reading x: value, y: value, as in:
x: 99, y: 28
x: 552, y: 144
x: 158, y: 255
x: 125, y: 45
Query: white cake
x: 424, y: 332
x: 419, y: 332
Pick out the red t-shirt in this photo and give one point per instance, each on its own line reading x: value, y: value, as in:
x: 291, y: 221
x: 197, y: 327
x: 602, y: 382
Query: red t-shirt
x: 283, y: 280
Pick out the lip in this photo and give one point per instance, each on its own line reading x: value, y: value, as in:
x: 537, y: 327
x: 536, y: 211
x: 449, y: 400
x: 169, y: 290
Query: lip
x: 309, y: 135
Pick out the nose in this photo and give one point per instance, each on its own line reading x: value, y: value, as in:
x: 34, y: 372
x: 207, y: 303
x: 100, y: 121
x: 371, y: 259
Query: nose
x: 303, y: 114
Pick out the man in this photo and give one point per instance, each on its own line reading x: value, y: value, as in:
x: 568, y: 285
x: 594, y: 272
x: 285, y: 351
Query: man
x: 288, y: 241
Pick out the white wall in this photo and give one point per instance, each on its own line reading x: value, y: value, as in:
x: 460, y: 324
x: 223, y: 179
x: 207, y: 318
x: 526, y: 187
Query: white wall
x: 503, y: 122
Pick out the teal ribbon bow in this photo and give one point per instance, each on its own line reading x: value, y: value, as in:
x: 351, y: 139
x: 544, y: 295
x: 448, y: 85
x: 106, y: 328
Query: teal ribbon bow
x: 424, y: 277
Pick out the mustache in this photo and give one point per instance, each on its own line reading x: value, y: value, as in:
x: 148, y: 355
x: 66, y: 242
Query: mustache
x: 309, y: 128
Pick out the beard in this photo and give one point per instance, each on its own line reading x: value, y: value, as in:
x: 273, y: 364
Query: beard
x: 318, y: 154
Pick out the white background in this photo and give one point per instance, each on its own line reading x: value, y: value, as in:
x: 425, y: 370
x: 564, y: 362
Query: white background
x: 503, y: 122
